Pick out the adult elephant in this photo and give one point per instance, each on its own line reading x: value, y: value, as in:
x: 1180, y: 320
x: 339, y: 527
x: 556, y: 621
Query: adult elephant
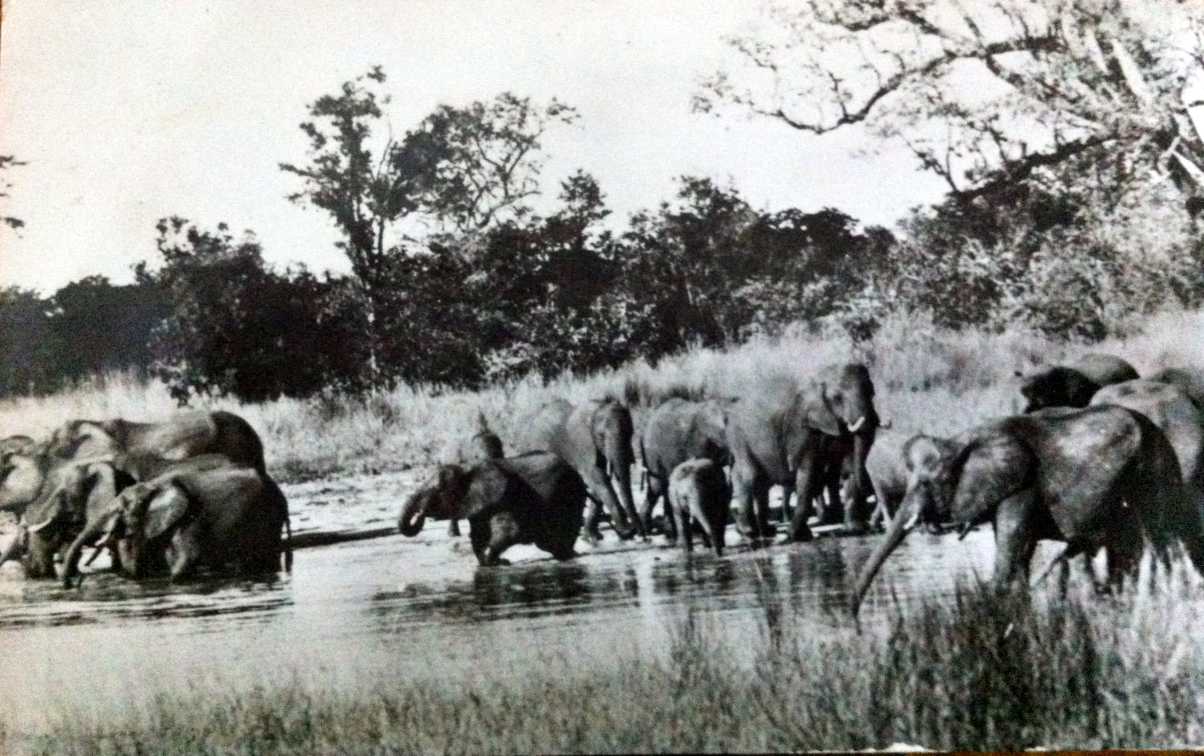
x: 225, y: 516
x: 183, y: 435
x: 676, y: 431
x: 779, y: 435
x: 1073, y: 384
x: 1190, y: 380
x: 1067, y: 475
x: 482, y: 445
x: 532, y: 498
x: 1173, y: 410
x: 595, y: 439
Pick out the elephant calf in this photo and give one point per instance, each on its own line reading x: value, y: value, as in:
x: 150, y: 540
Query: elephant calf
x: 699, y: 493
x: 532, y: 498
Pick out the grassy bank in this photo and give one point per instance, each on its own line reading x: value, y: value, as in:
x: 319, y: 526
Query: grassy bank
x: 976, y: 672
x: 928, y: 380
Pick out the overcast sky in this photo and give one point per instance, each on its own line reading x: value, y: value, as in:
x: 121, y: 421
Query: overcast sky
x: 130, y: 111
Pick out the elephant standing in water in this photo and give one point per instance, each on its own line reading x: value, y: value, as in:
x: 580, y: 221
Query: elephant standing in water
x: 480, y: 446
x: 1068, y: 475
x: 779, y: 435
x: 676, y: 431
x: 1073, y: 384
x: 595, y: 439
x: 887, y: 466
x: 699, y: 493
x: 532, y: 498
x: 84, y: 462
x: 206, y: 511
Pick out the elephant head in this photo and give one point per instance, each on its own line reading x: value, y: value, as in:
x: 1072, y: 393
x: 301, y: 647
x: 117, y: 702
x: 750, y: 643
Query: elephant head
x: 441, y: 497
x: 21, y: 477
x: 1056, y: 387
x: 70, y: 494
x: 840, y: 402
x: 949, y: 480
x: 142, y: 513
x: 612, y: 430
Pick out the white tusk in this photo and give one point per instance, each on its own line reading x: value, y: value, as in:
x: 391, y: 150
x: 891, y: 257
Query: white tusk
x: 856, y: 426
x: 911, y: 522
x: 40, y: 525
x: 885, y: 425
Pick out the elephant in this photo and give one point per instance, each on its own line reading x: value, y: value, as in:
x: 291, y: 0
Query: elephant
x: 699, y: 493
x: 1064, y: 474
x: 838, y: 461
x: 1172, y: 409
x: 69, y: 493
x: 482, y: 445
x: 779, y: 434
x: 595, y: 439
x: 191, y: 516
x: 887, y: 466
x: 533, y: 498
x: 1073, y: 384
x: 1190, y: 380
x: 186, y: 434
x: 678, y: 430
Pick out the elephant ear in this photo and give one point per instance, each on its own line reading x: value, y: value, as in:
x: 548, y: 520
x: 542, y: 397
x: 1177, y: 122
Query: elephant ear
x: 817, y: 410
x: 488, y: 491
x: 163, y: 509
x: 983, y: 473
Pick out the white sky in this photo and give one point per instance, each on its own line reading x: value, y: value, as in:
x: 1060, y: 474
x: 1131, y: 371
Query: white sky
x: 130, y: 111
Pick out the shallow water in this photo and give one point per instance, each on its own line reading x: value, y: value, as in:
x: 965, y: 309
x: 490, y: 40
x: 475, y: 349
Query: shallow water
x: 363, y: 598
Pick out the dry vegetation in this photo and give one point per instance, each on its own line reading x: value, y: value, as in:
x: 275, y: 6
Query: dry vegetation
x: 928, y: 379
x: 978, y: 672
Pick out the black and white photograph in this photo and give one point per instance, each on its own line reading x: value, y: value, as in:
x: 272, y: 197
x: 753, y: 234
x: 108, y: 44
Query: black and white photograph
x: 541, y: 377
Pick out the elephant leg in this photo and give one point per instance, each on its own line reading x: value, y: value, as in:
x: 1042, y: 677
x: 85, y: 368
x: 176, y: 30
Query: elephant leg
x: 185, y: 553
x: 598, y: 483
x: 761, y: 525
x: 805, y: 484
x: 685, y: 528
x: 787, y: 492
x: 882, y: 514
x: 652, y: 494
x: 743, y: 482
x: 479, y: 533
x: 504, y: 533
x: 453, y: 528
x: 1015, y: 538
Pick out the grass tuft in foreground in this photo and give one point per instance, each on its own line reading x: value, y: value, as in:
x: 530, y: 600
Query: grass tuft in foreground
x: 975, y: 672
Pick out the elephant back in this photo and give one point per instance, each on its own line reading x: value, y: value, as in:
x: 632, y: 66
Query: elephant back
x: 1104, y: 369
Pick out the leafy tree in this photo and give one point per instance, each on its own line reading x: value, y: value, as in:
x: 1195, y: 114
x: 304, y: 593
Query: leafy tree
x: 105, y: 327
x: 489, y: 159
x: 28, y: 345
x: 235, y: 326
x: 6, y: 162
x: 366, y: 195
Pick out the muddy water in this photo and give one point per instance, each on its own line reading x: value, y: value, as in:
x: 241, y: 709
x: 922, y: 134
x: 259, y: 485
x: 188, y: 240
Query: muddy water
x: 362, y: 598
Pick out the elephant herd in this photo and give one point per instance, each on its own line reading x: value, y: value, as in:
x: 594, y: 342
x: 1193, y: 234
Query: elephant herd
x: 173, y: 497
x: 1099, y: 459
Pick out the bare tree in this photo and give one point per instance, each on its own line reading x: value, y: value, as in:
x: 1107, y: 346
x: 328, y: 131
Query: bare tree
x: 988, y: 94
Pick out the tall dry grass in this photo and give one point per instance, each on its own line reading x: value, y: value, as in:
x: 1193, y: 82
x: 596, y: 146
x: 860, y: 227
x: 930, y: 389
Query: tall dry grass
x: 928, y: 379
x: 979, y: 672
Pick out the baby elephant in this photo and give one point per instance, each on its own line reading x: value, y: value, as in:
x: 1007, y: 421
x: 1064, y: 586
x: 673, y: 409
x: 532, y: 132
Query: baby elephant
x: 532, y: 498
x: 699, y: 492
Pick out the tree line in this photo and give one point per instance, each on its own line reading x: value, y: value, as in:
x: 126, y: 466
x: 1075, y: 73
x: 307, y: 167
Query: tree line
x: 1073, y: 194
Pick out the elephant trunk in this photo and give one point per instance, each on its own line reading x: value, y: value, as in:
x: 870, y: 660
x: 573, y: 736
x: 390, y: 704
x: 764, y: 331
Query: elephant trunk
x: 905, y: 520
x: 619, y: 463
x: 87, y: 536
x: 413, y: 515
